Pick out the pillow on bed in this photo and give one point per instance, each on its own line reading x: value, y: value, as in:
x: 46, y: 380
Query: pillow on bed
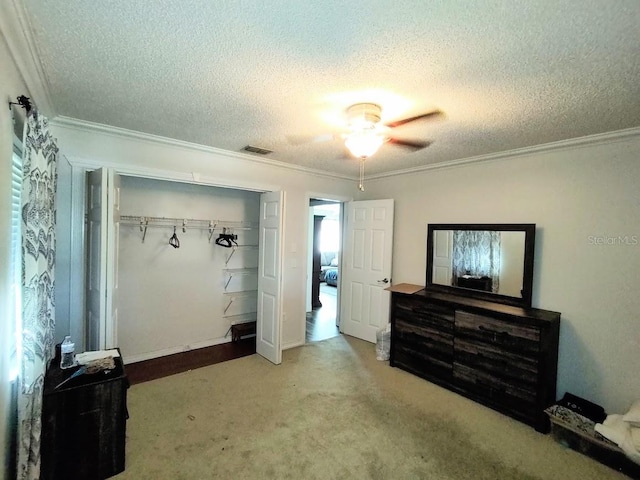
x: 334, y: 262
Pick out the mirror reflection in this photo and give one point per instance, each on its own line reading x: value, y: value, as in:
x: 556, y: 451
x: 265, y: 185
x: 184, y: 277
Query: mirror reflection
x: 485, y: 260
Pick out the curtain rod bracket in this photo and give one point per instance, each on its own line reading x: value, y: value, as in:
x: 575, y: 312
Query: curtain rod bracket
x: 23, y: 101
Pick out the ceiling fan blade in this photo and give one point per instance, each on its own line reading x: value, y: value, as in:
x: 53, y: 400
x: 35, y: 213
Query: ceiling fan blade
x: 404, y: 121
x: 414, y: 145
x: 302, y: 139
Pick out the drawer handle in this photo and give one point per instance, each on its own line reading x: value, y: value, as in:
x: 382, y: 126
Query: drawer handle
x: 491, y: 331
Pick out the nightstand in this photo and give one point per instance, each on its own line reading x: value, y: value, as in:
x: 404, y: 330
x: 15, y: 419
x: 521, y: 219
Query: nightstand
x: 83, y: 423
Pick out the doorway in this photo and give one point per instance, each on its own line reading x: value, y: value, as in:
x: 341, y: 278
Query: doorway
x: 325, y: 234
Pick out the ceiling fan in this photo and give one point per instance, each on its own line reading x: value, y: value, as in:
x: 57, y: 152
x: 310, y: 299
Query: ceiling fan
x: 366, y: 133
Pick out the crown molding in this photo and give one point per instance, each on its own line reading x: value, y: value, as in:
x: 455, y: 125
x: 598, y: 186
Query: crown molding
x: 596, y: 139
x: 91, y: 127
x: 17, y: 32
x: 196, y: 178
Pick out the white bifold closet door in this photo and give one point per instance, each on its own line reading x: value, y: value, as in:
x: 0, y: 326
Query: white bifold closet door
x: 102, y: 276
x: 269, y: 323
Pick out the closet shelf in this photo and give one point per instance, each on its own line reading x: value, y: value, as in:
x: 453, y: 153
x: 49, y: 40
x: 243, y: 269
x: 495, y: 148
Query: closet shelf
x: 190, y: 222
x: 241, y: 294
x: 185, y: 223
x: 233, y: 296
x: 240, y: 271
x: 236, y: 272
x: 239, y: 247
x: 242, y: 318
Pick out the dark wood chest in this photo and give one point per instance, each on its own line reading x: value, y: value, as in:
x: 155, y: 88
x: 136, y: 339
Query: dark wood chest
x: 502, y: 356
x: 84, y: 424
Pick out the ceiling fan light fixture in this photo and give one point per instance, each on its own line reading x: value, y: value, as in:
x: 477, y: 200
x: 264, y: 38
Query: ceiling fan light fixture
x: 364, y: 143
x: 362, y: 116
x: 365, y: 138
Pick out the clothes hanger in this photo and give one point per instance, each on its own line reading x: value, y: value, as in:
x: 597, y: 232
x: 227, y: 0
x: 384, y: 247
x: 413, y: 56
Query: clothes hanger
x: 173, y: 241
x: 226, y: 240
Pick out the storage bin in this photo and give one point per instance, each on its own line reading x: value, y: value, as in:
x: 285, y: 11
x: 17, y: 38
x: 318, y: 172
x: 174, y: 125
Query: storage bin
x: 578, y: 433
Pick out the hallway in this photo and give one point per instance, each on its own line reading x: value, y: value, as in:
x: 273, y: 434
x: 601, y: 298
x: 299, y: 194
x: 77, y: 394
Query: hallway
x: 321, y: 322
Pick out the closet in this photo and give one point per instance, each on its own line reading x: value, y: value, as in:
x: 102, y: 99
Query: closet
x: 185, y: 265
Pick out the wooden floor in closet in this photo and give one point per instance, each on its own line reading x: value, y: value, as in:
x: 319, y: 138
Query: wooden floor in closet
x: 181, y: 362
x: 320, y: 325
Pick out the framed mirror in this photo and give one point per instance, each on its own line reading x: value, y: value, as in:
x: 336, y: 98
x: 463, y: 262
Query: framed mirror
x: 485, y: 261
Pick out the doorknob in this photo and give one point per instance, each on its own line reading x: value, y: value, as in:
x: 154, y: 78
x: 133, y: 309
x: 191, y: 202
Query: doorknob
x: 384, y: 280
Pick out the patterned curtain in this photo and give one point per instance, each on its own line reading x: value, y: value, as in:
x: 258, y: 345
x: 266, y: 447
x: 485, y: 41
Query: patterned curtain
x: 477, y: 253
x: 38, y: 312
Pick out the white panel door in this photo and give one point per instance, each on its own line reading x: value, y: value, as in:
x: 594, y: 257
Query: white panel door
x: 113, y: 239
x: 268, y: 341
x: 96, y: 282
x: 103, y: 216
x: 366, y: 268
x: 442, y: 257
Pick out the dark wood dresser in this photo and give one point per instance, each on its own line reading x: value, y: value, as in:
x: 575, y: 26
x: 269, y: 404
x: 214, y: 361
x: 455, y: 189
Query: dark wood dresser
x: 83, y: 423
x: 502, y: 356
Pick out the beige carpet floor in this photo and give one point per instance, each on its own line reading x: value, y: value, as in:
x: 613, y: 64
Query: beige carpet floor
x: 330, y: 411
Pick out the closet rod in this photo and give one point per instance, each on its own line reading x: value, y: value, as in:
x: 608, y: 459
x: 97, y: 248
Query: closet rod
x: 143, y: 221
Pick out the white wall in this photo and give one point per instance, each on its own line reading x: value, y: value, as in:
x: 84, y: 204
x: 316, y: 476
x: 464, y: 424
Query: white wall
x: 127, y: 151
x: 573, y: 195
x: 172, y: 299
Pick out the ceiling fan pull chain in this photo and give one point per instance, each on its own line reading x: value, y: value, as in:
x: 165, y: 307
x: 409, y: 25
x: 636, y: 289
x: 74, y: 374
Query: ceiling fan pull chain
x: 361, y: 184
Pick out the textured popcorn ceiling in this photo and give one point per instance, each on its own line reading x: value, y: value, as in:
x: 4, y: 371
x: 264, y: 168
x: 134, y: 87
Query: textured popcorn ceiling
x: 508, y: 74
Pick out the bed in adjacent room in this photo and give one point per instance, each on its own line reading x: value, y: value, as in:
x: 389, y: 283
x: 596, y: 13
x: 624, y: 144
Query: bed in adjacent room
x: 331, y: 276
x: 329, y: 268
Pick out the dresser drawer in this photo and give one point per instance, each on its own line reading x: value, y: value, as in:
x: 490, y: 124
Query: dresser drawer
x: 424, y: 363
x: 488, y: 357
x: 515, y: 336
x: 424, y: 314
x: 493, y: 387
x: 423, y: 339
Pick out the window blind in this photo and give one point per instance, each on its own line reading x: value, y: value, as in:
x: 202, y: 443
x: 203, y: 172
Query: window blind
x: 15, y: 260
